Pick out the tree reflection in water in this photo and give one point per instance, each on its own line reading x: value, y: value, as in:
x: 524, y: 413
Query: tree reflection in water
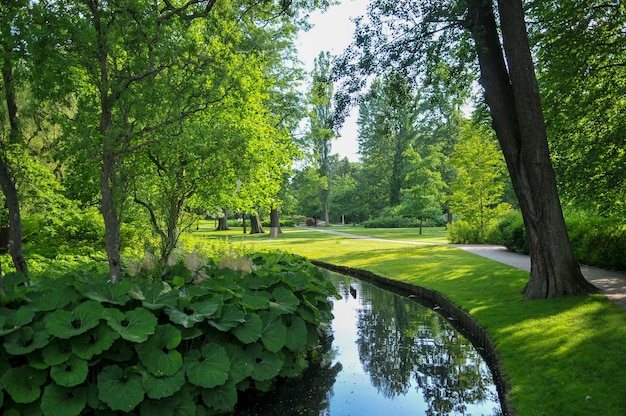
x: 400, y: 341
x: 416, y: 362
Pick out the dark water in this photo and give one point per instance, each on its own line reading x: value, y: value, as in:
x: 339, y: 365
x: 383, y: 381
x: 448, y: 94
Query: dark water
x: 389, y: 356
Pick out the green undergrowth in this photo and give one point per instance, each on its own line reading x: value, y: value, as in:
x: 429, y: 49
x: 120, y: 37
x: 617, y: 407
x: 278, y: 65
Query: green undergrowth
x: 184, y: 345
x: 560, y: 356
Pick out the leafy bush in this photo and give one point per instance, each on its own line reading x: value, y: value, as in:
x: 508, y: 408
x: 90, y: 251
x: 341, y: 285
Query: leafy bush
x: 513, y: 232
x: 183, y: 345
x: 283, y: 223
x: 310, y: 221
x: 391, y: 221
x: 461, y: 232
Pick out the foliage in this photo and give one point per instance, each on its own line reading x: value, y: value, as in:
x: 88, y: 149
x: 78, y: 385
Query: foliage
x: 190, y: 341
x: 581, y: 48
x: 478, y: 190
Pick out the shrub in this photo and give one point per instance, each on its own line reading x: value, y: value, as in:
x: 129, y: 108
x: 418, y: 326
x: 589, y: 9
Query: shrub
x: 461, y: 232
x: 186, y: 344
x: 391, y: 221
x: 513, y: 232
x: 310, y: 222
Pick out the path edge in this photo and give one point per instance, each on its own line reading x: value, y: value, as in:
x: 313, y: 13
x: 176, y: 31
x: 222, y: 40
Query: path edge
x: 459, y: 318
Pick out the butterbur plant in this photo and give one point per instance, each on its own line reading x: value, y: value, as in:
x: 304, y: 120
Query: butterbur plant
x: 179, y: 346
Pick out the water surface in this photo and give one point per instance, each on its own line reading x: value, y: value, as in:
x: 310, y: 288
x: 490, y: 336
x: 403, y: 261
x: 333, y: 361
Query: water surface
x: 389, y: 356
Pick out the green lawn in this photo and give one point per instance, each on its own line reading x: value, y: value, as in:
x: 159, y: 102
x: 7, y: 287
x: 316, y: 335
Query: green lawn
x: 562, y: 357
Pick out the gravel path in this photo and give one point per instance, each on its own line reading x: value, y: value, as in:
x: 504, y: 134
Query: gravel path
x: 612, y: 284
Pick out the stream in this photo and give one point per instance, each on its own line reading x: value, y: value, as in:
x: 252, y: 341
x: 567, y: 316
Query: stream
x: 389, y: 356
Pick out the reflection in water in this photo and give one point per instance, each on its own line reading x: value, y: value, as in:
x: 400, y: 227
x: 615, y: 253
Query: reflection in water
x: 389, y: 356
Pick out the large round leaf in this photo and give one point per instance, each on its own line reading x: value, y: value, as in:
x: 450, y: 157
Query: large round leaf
x: 221, y: 398
x: 59, y: 401
x: 164, y: 386
x: 11, y: 319
x: 161, y: 407
x: 26, y: 339
x: 56, y: 353
x: 274, y: 332
x: 115, y: 293
x: 296, y: 333
x: 283, y: 301
x: 67, y: 324
x: 120, y: 390
x: 187, y: 319
x: 268, y: 364
x: 155, y: 295
x: 55, y: 297
x: 94, y: 342
x: 158, y: 353
x: 136, y: 325
x: 250, y: 330
x: 230, y: 317
x: 71, y: 373
x: 242, y: 362
x: 23, y: 383
x: 208, y: 368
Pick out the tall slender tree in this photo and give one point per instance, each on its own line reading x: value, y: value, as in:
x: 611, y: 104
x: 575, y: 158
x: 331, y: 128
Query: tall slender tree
x: 322, y: 123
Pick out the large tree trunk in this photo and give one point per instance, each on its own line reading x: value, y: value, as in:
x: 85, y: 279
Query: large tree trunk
x: 274, y: 223
x: 512, y: 95
x: 222, y: 222
x: 6, y: 181
x: 255, y: 225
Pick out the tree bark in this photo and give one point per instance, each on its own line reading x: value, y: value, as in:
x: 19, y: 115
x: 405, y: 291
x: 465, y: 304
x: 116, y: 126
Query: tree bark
x: 512, y: 94
x: 6, y: 180
x: 275, y: 229
x: 255, y: 225
x: 222, y: 222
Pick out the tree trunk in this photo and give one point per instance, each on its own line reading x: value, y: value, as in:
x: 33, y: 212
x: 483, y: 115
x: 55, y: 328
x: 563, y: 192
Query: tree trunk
x: 6, y: 181
x: 255, y: 225
x: 243, y: 220
x: 275, y: 229
x: 222, y: 222
x: 326, y: 197
x: 512, y: 94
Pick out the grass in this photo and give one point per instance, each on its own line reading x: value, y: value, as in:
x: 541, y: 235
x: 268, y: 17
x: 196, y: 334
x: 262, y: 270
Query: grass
x: 561, y: 356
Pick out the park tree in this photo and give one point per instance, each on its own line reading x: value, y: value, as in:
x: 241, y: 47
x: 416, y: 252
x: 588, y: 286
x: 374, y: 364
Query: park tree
x: 387, y: 128
x: 466, y: 33
x: 422, y: 196
x: 477, y: 193
x: 13, y: 23
x: 321, y: 119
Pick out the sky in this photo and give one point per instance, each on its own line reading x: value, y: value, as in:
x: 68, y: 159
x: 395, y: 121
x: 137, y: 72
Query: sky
x: 332, y: 31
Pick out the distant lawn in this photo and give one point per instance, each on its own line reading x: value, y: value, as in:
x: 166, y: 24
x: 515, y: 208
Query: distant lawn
x: 562, y: 357
x: 430, y: 234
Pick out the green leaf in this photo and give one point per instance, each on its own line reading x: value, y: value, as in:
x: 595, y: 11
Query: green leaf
x: 11, y: 320
x: 256, y: 300
x: 23, y: 383
x: 187, y: 320
x: 119, y: 351
x: 94, y: 342
x: 59, y: 401
x: 65, y: 324
x: 190, y: 333
x: 120, y: 390
x: 242, y: 362
x: 296, y: 333
x: 207, y: 307
x: 56, y: 353
x: 283, y: 301
x: 221, y: 398
x: 268, y: 364
x: 250, y: 330
x: 56, y: 297
x: 115, y: 293
x: 274, y: 332
x: 167, y: 406
x: 71, y: 373
x: 136, y: 325
x: 208, y: 368
x: 294, y: 365
x: 164, y: 386
x: 25, y: 340
x: 155, y: 295
x: 158, y: 353
x: 231, y: 316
